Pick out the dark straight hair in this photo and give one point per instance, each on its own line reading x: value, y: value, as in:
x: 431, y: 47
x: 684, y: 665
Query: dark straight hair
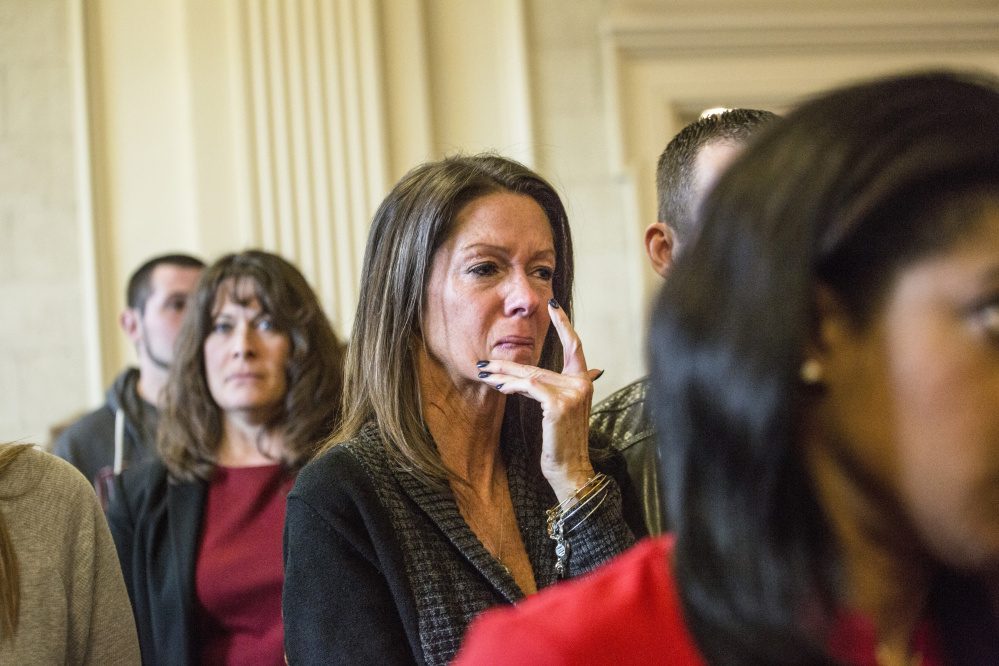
x: 414, y: 220
x: 846, y: 190
x: 676, y: 167
x: 140, y: 285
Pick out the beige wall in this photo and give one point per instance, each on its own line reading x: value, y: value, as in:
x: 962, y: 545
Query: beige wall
x: 43, y: 338
x: 574, y: 149
x: 131, y: 128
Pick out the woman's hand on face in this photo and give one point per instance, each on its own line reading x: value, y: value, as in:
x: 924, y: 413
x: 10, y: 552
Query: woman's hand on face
x: 565, y: 404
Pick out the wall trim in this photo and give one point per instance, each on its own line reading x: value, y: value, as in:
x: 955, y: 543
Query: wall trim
x: 663, y: 33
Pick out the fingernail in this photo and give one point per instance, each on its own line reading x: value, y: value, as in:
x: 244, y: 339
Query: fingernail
x: 552, y: 302
x: 499, y: 386
x: 484, y: 374
x: 481, y: 364
x: 601, y: 374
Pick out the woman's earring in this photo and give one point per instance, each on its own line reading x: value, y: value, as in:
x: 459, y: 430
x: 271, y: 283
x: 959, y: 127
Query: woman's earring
x: 811, y: 372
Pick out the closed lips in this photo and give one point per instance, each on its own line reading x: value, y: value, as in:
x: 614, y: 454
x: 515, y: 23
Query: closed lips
x: 515, y: 340
x: 244, y: 375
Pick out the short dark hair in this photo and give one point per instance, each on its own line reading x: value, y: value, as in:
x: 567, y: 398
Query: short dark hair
x: 190, y: 427
x: 675, y: 168
x: 140, y: 283
x: 844, y: 192
x: 413, y: 221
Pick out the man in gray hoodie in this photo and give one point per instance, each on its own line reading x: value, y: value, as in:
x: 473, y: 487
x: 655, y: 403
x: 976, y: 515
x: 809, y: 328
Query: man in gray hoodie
x: 123, y: 430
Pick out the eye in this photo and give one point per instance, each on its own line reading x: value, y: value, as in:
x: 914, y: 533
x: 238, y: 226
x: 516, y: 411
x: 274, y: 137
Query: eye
x: 988, y: 317
x: 484, y: 269
x: 545, y: 273
x: 176, y: 304
x: 265, y: 324
x: 984, y: 315
x: 222, y: 327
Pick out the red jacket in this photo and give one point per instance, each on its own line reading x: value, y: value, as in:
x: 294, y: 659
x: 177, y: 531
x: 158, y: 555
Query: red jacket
x: 629, y: 612
x: 626, y: 612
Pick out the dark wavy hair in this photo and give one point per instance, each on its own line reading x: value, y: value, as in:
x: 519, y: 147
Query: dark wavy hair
x: 190, y: 427
x: 844, y: 192
x: 413, y: 221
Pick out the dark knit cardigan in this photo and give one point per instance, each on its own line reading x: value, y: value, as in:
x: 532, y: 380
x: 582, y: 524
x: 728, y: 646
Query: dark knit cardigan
x: 382, y: 569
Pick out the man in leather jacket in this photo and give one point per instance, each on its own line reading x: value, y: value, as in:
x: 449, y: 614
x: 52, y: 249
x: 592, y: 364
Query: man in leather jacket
x: 686, y: 171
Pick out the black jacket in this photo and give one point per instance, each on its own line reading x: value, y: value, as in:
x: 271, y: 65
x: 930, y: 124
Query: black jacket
x: 156, y: 525
x: 382, y: 569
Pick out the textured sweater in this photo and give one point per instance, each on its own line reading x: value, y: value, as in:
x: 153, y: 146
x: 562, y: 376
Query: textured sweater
x: 381, y: 568
x: 74, y: 607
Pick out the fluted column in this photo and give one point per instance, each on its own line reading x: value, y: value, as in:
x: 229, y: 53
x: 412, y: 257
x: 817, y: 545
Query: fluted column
x: 315, y: 148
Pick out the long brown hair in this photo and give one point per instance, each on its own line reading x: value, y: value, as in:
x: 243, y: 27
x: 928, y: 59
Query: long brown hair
x: 190, y: 428
x: 10, y: 583
x: 417, y: 216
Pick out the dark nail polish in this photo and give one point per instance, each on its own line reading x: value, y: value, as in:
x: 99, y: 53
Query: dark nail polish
x: 481, y: 364
x: 499, y: 386
x: 552, y: 302
x: 484, y: 374
x: 599, y: 376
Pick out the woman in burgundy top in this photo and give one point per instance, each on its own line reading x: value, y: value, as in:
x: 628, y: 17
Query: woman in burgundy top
x: 255, y: 384
x: 825, y: 360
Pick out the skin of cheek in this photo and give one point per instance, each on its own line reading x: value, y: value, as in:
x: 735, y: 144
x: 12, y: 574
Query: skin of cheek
x: 945, y: 410
x: 464, y: 320
x: 858, y: 417
x: 480, y: 329
x: 271, y: 357
x: 161, y: 323
x: 215, y: 353
x: 448, y: 340
x: 467, y: 312
x: 442, y: 303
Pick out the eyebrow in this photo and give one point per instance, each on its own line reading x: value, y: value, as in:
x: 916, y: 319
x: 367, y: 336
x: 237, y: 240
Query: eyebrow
x: 221, y: 312
x: 478, y: 247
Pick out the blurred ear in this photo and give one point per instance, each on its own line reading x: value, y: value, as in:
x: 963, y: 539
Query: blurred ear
x: 830, y: 340
x: 832, y: 321
x: 659, y: 244
x: 129, y: 322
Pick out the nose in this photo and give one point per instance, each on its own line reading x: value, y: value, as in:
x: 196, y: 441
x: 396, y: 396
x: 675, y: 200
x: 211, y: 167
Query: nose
x: 522, y: 296
x: 243, y: 341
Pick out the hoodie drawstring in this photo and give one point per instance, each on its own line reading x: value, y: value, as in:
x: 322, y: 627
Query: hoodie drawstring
x: 119, y: 440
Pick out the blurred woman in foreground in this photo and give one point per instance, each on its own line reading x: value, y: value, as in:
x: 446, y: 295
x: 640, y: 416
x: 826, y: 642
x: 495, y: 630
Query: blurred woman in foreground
x: 255, y: 386
x: 826, y: 360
